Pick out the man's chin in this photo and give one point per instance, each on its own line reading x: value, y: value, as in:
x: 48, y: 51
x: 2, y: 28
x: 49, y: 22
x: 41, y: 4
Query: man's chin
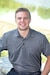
x: 23, y: 29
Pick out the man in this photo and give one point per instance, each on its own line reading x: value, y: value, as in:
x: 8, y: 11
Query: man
x: 25, y: 46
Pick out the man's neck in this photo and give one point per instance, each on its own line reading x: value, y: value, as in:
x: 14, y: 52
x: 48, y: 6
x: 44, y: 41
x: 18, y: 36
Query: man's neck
x: 24, y: 33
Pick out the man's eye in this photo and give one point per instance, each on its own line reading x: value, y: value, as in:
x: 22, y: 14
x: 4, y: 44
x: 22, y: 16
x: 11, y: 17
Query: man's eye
x: 19, y: 18
x: 26, y: 18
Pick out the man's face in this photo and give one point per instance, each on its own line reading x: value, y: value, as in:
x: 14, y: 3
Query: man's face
x: 22, y: 19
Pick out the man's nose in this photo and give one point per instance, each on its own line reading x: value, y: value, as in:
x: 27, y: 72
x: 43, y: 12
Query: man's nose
x: 22, y: 19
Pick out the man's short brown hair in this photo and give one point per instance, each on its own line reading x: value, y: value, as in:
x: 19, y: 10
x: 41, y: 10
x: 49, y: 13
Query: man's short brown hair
x: 24, y: 10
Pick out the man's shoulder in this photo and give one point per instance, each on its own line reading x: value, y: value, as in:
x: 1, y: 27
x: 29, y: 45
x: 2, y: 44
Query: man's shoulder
x: 37, y: 33
x: 10, y: 33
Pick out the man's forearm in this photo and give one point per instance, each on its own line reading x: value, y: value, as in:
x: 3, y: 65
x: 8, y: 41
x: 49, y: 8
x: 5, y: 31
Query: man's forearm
x: 47, y: 67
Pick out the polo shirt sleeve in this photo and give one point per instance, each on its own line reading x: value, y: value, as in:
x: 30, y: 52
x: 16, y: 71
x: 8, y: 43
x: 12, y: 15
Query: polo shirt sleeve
x: 46, y: 47
x: 3, y: 42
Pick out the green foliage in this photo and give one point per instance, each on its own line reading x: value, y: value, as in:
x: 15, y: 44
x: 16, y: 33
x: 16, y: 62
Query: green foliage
x: 4, y: 53
x: 13, y: 5
x: 10, y: 4
x: 48, y: 38
x: 43, y: 58
x: 43, y: 12
x: 31, y: 8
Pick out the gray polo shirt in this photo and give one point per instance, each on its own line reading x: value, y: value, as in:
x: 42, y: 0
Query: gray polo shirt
x: 25, y: 53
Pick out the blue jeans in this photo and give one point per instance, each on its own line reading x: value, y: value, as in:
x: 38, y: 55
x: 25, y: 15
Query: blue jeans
x: 13, y: 72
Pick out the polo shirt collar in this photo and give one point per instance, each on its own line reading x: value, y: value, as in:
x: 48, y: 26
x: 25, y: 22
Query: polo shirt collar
x: 18, y: 35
